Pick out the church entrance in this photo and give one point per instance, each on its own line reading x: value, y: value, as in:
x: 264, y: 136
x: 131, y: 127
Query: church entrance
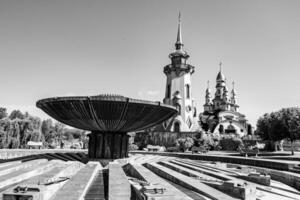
x: 230, y: 129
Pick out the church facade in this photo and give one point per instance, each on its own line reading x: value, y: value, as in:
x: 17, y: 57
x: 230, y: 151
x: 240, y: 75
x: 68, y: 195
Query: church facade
x: 221, y: 113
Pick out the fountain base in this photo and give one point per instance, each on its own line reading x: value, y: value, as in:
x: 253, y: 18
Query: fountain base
x: 108, y: 145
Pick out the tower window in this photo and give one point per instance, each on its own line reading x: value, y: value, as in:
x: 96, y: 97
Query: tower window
x: 179, y: 109
x: 168, y: 91
x: 187, y: 91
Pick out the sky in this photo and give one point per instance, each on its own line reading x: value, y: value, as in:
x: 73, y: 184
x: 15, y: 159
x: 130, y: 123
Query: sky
x: 73, y: 47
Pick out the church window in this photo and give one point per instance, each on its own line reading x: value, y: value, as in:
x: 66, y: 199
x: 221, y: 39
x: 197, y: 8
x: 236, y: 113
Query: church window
x: 187, y: 91
x: 176, y: 127
x: 168, y: 91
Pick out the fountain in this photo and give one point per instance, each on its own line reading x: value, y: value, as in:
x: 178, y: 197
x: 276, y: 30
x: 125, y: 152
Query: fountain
x: 108, y: 117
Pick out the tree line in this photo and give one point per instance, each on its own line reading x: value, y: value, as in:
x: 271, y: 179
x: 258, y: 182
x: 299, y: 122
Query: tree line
x: 17, y: 128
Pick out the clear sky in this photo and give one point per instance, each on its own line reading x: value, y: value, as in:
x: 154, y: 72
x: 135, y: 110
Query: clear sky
x: 72, y: 47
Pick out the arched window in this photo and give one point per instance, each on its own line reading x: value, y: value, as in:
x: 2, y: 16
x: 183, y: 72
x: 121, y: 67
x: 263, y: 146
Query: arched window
x: 176, y: 127
x: 187, y: 91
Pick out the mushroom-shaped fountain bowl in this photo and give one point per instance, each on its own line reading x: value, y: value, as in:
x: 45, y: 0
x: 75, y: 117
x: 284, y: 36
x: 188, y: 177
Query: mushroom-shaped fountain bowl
x: 108, y: 117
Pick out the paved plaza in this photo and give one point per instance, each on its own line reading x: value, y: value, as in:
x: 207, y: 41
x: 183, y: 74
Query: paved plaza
x: 70, y: 175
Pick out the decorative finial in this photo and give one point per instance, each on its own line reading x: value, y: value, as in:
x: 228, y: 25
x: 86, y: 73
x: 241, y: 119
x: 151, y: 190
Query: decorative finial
x: 233, y: 85
x: 220, y: 64
x: 207, y: 84
x: 179, y: 43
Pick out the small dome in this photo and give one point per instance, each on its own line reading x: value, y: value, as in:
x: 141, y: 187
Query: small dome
x: 208, y: 90
x: 225, y: 89
x: 220, y: 76
x: 233, y: 91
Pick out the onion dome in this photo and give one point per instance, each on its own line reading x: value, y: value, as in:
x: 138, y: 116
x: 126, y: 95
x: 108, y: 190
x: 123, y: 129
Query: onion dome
x: 208, y: 91
x: 233, y: 92
x: 225, y: 89
x: 221, y: 76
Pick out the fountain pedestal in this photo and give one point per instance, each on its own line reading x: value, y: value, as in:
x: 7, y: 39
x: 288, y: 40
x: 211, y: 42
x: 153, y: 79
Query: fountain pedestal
x: 108, y: 145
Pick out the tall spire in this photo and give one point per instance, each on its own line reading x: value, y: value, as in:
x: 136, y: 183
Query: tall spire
x: 233, y: 92
x: 179, y: 43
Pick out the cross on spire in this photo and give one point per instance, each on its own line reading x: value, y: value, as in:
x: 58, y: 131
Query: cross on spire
x: 220, y: 64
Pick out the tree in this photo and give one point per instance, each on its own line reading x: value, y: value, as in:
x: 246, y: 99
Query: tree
x: 184, y: 143
x: 48, y: 131
x: 16, y: 114
x: 291, y: 120
x: 283, y: 124
x: 3, y: 112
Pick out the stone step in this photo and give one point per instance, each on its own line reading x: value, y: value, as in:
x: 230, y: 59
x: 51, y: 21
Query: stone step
x: 295, y: 170
x: 56, y: 168
x: 192, y: 194
x: 69, y: 156
x: 188, y: 182
x: 78, y: 185
x: 76, y: 157
x: 20, y: 165
x: 69, y: 172
x: 199, y: 168
x: 262, y: 188
x: 53, y: 168
x: 25, y: 173
x: 2, y: 165
x: 157, y: 182
x: 118, y: 184
x: 96, y: 190
x: 217, y: 167
x: 297, y: 167
x: 235, y: 187
x: 189, y: 172
x: 52, y: 156
x: 59, y: 169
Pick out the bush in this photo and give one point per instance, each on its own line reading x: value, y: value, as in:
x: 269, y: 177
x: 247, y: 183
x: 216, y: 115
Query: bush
x: 230, y: 144
x: 133, y: 147
x: 184, y: 143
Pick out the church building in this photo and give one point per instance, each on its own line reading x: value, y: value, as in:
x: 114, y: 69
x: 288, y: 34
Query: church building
x: 221, y: 113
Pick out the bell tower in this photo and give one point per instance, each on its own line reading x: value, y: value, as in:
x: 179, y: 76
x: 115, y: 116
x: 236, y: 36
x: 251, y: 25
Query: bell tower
x: 178, y: 84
